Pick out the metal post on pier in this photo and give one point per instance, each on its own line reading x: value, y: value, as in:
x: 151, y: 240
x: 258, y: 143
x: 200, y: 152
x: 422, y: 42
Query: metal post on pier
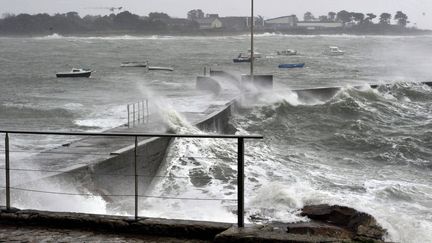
x: 139, y: 112
x: 252, y: 23
x: 240, y: 182
x: 133, y: 114
x: 143, y: 111
x: 136, y: 177
x: 128, y: 111
x: 7, y: 169
x: 148, y: 112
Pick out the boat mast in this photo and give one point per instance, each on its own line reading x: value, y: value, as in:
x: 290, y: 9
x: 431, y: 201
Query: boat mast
x: 252, y: 42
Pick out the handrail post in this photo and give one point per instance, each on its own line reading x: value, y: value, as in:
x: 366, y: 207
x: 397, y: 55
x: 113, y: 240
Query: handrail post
x: 240, y: 182
x: 139, y: 112
x: 128, y: 111
x: 7, y: 171
x: 143, y: 111
x: 148, y: 112
x: 252, y: 56
x: 133, y: 114
x: 136, y: 177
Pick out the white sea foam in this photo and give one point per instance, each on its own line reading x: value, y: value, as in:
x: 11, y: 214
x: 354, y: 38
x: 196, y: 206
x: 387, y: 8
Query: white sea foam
x: 104, y: 118
x: 338, y: 36
x: 61, y: 203
x: 53, y: 36
x: 127, y: 37
x: 74, y: 106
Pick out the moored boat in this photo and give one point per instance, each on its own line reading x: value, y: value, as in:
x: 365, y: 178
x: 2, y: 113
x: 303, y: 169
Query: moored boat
x: 156, y: 68
x: 288, y: 52
x: 75, y: 73
x: 246, y: 57
x: 292, y: 65
x: 242, y: 58
x: 134, y: 64
x: 333, y: 51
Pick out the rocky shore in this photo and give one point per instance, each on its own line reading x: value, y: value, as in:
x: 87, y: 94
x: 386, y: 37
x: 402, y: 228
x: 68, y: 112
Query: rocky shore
x: 328, y: 224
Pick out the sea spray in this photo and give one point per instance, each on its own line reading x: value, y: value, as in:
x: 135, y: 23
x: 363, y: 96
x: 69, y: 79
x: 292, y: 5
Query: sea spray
x: 191, y: 170
x: 58, y: 197
x: 348, y: 151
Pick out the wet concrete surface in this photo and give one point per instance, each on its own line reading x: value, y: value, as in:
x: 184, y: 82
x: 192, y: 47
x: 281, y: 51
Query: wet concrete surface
x: 21, y: 233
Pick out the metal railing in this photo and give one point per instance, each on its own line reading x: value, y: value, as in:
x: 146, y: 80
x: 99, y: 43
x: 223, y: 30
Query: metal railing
x: 138, y: 113
x: 240, y: 159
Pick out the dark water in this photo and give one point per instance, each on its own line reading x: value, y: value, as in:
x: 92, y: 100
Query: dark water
x: 370, y: 149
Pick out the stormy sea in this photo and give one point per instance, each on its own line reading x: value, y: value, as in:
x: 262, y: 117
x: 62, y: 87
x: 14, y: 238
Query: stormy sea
x: 370, y: 149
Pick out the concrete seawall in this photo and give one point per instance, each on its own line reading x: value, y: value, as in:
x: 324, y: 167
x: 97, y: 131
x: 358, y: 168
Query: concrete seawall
x: 151, y: 154
x: 112, y: 172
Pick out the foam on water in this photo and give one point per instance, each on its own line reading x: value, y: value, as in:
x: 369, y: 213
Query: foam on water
x: 340, y: 36
x: 56, y: 36
x: 189, y: 168
x: 104, y: 118
x: 366, y: 121
x: 60, y: 203
x: 272, y: 194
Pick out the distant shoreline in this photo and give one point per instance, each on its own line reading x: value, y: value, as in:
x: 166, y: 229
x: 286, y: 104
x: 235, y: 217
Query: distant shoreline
x: 213, y: 34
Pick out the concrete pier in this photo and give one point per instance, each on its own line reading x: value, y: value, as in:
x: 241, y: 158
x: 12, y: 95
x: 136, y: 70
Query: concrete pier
x: 105, y: 165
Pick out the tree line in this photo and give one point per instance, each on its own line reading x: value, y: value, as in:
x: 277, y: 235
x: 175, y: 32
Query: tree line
x: 160, y: 23
x: 71, y: 22
x: 359, y: 18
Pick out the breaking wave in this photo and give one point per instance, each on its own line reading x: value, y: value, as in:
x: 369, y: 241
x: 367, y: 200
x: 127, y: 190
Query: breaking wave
x: 365, y: 148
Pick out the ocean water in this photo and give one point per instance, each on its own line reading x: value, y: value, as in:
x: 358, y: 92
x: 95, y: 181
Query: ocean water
x: 370, y: 149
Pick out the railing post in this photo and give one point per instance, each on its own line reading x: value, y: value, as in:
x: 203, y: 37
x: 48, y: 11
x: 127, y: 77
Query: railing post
x: 133, y: 114
x: 136, y: 177
x: 143, y: 115
x: 240, y: 182
x: 128, y: 111
x: 148, y: 112
x: 7, y: 171
x: 139, y: 112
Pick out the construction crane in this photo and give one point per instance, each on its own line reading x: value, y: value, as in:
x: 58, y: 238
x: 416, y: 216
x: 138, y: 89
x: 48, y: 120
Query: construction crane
x: 111, y: 9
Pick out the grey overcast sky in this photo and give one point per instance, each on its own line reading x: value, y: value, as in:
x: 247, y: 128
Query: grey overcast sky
x: 418, y: 11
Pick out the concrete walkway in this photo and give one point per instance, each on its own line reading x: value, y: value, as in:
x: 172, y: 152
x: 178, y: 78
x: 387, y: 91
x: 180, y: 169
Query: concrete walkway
x: 22, y: 233
x: 88, y: 151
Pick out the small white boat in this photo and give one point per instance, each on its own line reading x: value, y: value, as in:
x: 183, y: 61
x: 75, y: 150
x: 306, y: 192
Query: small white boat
x: 334, y: 51
x: 242, y: 58
x: 288, y: 52
x: 75, y: 73
x: 134, y: 64
x: 156, y: 68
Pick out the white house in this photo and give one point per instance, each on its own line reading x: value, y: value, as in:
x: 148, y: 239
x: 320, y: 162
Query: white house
x: 209, y: 23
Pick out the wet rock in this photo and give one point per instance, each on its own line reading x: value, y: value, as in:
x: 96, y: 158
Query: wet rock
x: 317, y: 228
x: 338, y: 220
x: 266, y: 234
